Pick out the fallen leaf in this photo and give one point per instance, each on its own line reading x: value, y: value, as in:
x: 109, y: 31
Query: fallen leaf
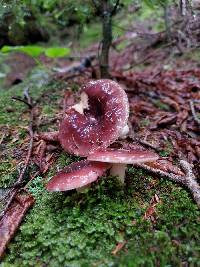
x: 150, y: 213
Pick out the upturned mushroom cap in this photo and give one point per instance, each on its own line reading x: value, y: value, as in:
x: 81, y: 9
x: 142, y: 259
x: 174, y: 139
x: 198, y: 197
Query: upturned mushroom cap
x: 123, y: 156
x: 77, y: 175
x: 97, y: 121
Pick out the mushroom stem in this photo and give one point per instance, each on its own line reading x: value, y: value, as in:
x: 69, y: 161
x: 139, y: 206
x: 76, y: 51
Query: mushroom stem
x: 119, y: 169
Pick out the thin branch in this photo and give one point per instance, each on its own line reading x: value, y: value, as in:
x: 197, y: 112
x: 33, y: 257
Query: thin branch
x: 2, y: 138
x: 194, y: 112
x: 146, y: 143
x: 170, y: 176
x: 21, y: 100
x: 189, y: 180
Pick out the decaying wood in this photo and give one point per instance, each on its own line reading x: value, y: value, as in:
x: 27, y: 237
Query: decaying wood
x: 12, y: 219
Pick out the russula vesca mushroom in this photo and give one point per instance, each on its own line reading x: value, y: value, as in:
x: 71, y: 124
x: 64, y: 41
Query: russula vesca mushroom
x: 77, y: 175
x: 121, y: 157
x: 97, y: 121
x: 88, y: 128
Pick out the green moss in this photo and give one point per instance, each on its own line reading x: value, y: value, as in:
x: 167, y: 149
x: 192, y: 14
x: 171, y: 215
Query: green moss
x: 74, y: 229
x: 62, y: 161
x: 159, y: 104
x: 4, y: 69
x: 7, y: 173
x: 38, y: 82
x: 144, y: 122
x: 48, y: 110
x: 173, y: 240
x: 168, y: 149
x: 194, y: 55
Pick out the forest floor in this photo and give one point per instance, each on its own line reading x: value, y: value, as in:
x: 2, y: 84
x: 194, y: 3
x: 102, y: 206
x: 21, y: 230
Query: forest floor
x: 151, y: 221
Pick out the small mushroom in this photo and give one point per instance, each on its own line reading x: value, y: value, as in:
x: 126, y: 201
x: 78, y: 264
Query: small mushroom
x: 120, y: 158
x: 97, y: 121
x: 77, y: 175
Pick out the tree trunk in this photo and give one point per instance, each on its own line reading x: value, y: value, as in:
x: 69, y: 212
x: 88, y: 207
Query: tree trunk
x: 106, y: 42
x: 106, y: 10
x: 167, y: 23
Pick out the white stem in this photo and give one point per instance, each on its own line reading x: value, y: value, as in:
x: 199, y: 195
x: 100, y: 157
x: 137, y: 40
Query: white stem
x: 124, y: 132
x: 119, y: 169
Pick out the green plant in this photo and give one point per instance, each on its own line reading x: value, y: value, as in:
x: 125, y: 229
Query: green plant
x: 35, y: 51
x: 30, y: 21
x: 156, y: 3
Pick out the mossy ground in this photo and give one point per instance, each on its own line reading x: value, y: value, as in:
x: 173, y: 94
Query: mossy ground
x: 77, y: 229
x: 83, y: 229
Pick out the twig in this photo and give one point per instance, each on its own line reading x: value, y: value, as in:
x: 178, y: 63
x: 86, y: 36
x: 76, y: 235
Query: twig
x: 21, y: 100
x: 14, y: 191
x: 194, y: 112
x: 189, y: 180
x: 171, y: 176
x: 2, y: 138
x: 146, y: 143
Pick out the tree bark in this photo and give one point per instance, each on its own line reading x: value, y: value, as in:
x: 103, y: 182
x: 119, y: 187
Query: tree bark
x: 106, y: 42
x: 106, y: 10
x: 167, y: 23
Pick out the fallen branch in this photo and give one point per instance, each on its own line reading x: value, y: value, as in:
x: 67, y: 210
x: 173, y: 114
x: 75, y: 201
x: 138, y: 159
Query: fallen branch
x: 189, y: 180
x: 12, y: 219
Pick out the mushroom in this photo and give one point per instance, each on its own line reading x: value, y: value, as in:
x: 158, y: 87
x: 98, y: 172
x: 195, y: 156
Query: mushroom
x: 88, y: 128
x: 77, y: 175
x: 120, y: 158
x: 98, y: 120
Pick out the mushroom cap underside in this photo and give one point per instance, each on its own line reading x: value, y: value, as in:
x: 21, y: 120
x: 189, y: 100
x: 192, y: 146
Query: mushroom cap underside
x: 77, y: 175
